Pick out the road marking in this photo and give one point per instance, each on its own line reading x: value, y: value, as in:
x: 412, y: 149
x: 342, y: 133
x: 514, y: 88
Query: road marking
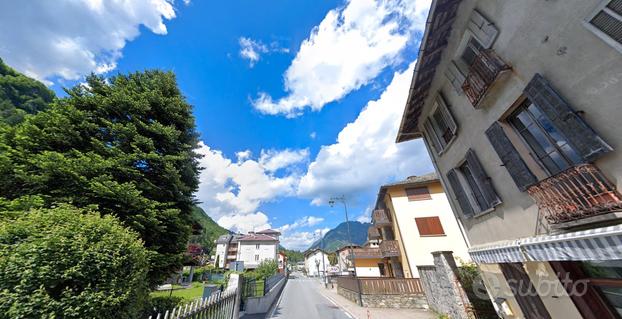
x: 337, y: 305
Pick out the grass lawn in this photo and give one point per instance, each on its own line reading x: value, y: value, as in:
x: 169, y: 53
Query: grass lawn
x: 188, y: 294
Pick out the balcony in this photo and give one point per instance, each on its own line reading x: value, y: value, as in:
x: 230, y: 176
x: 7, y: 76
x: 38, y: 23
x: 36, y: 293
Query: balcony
x: 576, y: 193
x: 389, y: 248
x: 365, y: 253
x: 381, y: 218
x: 373, y: 233
x: 484, y: 71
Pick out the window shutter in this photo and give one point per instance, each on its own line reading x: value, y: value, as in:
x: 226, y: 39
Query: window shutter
x: 432, y: 136
x: 461, y: 197
x: 484, y: 30
x: 449, y: 119
x: 418, y: 193
x: 484, y: 182
x: 578, y: 133
x: 429, y: 226
x: 455, y: 77
x: 511, y: 159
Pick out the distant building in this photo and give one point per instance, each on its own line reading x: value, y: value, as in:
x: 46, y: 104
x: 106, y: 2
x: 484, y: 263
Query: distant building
x: 412, y: 219
x: 367, y: 258
x: 315, y: 262
x: 251, y: 249
x: 282, y: 259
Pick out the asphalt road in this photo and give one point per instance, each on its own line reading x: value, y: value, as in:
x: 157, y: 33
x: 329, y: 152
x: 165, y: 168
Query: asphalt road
x: 301, y: 300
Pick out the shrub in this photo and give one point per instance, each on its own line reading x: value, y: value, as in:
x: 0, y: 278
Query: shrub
x: 160, y: 305
x: 65, y: 263
x: 266, y: 269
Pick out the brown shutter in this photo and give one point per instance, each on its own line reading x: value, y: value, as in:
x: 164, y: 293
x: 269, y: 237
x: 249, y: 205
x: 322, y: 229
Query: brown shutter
x: 482, y: 179
x: 418, y: 193
x: 511, y: 159
x: 578, y: 133
x: 460, y: 195
x: 429, y: 226
x: 524, y: 292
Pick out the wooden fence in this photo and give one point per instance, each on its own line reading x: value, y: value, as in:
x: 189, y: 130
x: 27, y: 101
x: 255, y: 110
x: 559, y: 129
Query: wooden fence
x: 381, y: 285
x: 218, y: 305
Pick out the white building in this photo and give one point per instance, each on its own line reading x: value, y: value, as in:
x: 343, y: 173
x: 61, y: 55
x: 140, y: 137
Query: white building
x: 252, y: 248
x: 315, y: 262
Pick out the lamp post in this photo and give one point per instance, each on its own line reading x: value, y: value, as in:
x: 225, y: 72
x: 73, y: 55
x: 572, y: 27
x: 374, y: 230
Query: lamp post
x: 332, y: 202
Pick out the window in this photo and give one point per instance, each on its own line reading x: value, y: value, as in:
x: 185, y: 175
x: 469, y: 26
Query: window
x: 606, y: 22
x: 429, y: 226
x: 472, y: 187
x: 550, y: 148
x: 256, y: 257
x: 257, y: 246
x: 381, y: 269
x: 418, y: 193
x: 440, y: 127
x: 472, y: 49
x: 524, y: 291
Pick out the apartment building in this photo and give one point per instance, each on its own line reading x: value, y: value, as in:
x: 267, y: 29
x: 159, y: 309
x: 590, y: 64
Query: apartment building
x: 412, y: 218
x: 250, y: 249
x: 520, y: 103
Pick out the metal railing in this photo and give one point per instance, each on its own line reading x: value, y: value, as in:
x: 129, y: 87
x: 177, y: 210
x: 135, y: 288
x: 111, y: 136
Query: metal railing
x: 272, y: 281
x: 218, y: 305
x: 482, y: 74
x: 389, y: 248
x: 380, y: 217
x: 578, y: 192
x: 382, y: 285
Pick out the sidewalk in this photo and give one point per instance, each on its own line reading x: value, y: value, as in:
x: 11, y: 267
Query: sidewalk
x: 372, y: 313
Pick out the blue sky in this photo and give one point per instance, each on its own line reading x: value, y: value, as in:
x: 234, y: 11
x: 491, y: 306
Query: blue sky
x: 295, y: 102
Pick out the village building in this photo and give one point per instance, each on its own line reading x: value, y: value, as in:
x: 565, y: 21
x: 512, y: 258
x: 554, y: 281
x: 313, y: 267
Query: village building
x: 316, y: 261
x: 519, y: 104
x: 247, y: 250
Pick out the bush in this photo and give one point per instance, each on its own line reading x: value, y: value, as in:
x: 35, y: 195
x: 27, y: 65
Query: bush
x: 160, y: 304
x: 266, y: 269
x: 65, y: 263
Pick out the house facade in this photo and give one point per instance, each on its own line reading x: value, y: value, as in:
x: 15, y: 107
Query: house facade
x: 519, y: 103
x: 413, y: 218
x: 251, y: 249
x: 316, y: 260
x: 367, y: 259
x: 282, y: 262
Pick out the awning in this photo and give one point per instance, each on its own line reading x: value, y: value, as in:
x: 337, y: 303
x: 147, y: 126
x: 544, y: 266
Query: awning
x: 595, y: 244
x: 497, y: 252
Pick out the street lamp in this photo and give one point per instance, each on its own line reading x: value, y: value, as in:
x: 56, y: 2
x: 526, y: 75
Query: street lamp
x: 332, y: 202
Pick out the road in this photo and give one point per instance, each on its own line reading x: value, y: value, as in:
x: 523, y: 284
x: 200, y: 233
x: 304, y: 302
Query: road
x: 301, y: 300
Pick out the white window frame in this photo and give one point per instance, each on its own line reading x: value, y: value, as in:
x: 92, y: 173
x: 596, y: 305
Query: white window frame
x: 602, y: 6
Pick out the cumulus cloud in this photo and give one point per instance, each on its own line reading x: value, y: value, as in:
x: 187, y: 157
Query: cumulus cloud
x: 349, y: 48
x: 69, y: 39
x: 231, y: 191
x: 365, y: 154
x: 252, y: 50
x: 243, y: 223
x: 306, y: 221
x: 301, y: 240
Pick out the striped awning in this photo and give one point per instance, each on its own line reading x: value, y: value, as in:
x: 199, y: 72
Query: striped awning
x: 595, y: 244
x: 498, y: 252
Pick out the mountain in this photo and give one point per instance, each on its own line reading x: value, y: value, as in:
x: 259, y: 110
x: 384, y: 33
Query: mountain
x: 211, y: 230
x: 20, y: 95
x: 293, y: 256
x: 338, y: 236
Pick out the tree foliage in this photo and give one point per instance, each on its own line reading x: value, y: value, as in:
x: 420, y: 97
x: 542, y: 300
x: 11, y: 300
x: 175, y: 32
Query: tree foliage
x: 20, y: 95
x: 266, y: 269
x: 124, y: 146
x: 293, y: 256
x: 61, y: 263
x: 211, y: 230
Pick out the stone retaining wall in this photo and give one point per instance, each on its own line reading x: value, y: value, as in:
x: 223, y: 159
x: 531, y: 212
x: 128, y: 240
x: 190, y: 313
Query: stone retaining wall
x: 410, y: 301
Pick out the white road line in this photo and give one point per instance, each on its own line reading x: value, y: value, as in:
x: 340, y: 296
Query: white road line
x: 340, y: 307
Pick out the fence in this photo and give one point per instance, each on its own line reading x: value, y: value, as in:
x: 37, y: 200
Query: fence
x: 218, y: 305
x: 271, y: 281
x: 382, y: 286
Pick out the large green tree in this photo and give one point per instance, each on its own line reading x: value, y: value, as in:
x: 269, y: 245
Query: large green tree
x: 20, y: 95
x: 125, y: 145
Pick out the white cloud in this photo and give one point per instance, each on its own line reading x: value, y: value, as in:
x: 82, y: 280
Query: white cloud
x: 313, y: 135
x: 231, y: 191
x: 365, y: 154
x: 243, y: 223
x: 349, y: 48
x: 302, y: 240
x: 365, y: 217
x: 69, y: 39
x: 252, y: 50
x: 273, y: 160
x: 306, y: 221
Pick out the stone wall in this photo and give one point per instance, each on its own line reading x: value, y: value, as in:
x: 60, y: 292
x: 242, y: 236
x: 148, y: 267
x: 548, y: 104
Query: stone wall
x: 442, y: 287
x: 386, y: 301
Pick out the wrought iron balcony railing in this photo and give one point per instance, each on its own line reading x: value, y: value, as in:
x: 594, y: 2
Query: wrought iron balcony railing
x: 578, y: 192
x: 373, y: 233
x: 380, y: 217
x: 482, y: 74
x: 389, y: 248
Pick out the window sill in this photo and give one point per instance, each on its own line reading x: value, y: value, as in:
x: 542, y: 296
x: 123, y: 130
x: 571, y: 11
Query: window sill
x: 443, y: 235
x: 448, y: 145
x: 484, y: 212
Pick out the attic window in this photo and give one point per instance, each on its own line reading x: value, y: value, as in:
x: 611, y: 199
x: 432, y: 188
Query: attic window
x: 418, y: 193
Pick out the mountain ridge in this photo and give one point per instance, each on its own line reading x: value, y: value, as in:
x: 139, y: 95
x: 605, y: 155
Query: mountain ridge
x: 338, y: 236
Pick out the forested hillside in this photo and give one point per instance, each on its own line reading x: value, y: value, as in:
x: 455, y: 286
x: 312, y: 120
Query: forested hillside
x: 20, y: 95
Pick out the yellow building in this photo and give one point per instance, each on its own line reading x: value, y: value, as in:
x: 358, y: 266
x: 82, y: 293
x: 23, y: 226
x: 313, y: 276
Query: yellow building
x: 412, y: 219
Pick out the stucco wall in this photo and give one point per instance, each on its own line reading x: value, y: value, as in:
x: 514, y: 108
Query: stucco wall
x: 310, y: 265
x: 547, y: 37
x: 221, y: 250
x: 248, y: 249
x: 419, y: 248
x: 368, y: 267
